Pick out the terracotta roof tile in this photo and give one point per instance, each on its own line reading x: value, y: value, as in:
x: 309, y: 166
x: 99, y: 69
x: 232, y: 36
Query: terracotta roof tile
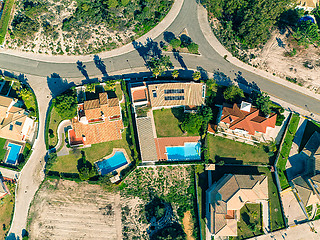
x: 103, y: 97
x: 91, y: 104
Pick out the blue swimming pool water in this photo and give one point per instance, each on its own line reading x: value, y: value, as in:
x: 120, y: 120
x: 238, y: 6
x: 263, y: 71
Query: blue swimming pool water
x: 190, y: 151
x: 116, y: 161
x: 13, y: 155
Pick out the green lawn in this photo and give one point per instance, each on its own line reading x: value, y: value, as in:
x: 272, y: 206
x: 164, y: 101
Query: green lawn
x: 232, y: 152
x: 167, y: 122
x: 285, y: 150
x: 5, y: 18
x: 250, y: 223
x: 68, y: 163
x: 118, y: 91
x: 55, y: 120
x: 2, y: 151
x: 6, y: 210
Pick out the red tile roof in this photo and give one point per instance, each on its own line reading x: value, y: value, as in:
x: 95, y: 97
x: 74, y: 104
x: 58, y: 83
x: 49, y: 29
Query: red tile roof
x: 105, y: 123
x: 139, y: 95
x: 249, y: 121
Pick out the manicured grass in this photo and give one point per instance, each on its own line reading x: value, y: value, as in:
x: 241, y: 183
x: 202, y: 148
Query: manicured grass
x: 285, y: 150
x: 6, y: 210
x: 2, y: 151
x: 232, y: 152
x: 167, y: 122
x: 68, y: 163
x: 55, y: 120
x: 118, y: 91
x: 5, y: 18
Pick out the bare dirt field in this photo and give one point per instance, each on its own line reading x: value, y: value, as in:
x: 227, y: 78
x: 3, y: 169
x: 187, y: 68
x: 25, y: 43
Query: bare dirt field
x: 68, y: 210
x: 303, y: 67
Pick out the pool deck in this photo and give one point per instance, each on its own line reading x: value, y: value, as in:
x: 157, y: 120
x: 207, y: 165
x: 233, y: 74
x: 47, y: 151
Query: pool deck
x: 162, y: 143
x: 118, y: 170
x: 7, y: 148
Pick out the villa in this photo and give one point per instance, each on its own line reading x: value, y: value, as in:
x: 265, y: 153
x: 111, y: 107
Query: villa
x: 157, y: 95
x: 97, y: 121
x: 15, y: 123
x: 308, y: 182
x: 308, y: 5
x: 244, y: 121
x: 226, y: 197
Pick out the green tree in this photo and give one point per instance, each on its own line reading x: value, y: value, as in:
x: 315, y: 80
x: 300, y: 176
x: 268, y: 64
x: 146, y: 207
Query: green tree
x: 192, y: 123
x: 85, y: 168
x: 233, y: 94
x: 262, y: 101
x: 196, y: 76
x: 193, y: 48
x: 211, y: 87
x: 159, y: 65
x: 307, y: 33
x: 91, y: 87
x: 175, y: 43
x: 51, y: 159
x: 175, y: 74
x: 66, y: 104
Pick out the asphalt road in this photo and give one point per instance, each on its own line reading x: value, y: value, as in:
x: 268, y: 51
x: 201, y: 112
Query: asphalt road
x: 209, y: 60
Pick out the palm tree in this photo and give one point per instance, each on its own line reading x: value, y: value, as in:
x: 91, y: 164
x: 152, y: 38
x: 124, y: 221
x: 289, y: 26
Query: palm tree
x: 196, y: 76
x: 175, y: 74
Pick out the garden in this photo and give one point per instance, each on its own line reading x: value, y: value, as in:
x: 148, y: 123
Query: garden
x: 285, y: 150
x: 77, y: 27
x: 6, y: 209
x: 225, y: 151
x: 159, y: 190
x: 250, y: 223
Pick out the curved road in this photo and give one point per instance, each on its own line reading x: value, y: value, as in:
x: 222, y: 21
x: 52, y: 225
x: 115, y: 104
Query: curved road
x: 125, y: 61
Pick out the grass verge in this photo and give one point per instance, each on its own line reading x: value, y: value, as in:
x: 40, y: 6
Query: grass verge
x: 54, y: 120
x: 285, y: 150
x: 6, y: 210
x: 5, y: 18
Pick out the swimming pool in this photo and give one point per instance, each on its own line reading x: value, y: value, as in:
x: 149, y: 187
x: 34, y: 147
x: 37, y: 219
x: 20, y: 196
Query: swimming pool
x: 108, y: 165
x: 190, y: 151
x: 13, y: 155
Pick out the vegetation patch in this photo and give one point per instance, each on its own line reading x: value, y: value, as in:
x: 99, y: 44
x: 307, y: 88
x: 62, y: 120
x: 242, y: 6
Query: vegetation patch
x: 232, y: 152
x: 82, y: 27
x: 54, y: 121
x: 165, y: 193
x: 285, y: 150
x: 6, y: 210
x: 5, y: 18
x: 250, y: 223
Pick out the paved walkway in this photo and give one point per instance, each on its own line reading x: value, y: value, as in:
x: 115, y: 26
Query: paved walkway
x: 61, y: 130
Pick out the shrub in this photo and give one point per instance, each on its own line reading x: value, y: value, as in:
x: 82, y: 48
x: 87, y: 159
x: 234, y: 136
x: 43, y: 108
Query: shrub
x: 175, y: 43
x: 185, y: 40
x: 193, y: 48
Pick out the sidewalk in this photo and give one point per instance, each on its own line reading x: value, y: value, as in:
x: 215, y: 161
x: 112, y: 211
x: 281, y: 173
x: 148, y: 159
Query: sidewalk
x: 153, y: 33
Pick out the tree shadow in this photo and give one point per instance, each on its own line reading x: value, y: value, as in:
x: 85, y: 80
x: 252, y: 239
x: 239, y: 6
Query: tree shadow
x: 203, y: 72
x: 57, y: 85
x: 100, y: 65
x: 244, y: 84
x: 83, y: 163
x: 168, y: 36
x: 179, y: 58
x: 221, y: 78
x: 148, y: 50
x: 227, y: 160
x: 82, y: 68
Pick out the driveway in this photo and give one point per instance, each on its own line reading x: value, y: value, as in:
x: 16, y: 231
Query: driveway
x: 292, y: 209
